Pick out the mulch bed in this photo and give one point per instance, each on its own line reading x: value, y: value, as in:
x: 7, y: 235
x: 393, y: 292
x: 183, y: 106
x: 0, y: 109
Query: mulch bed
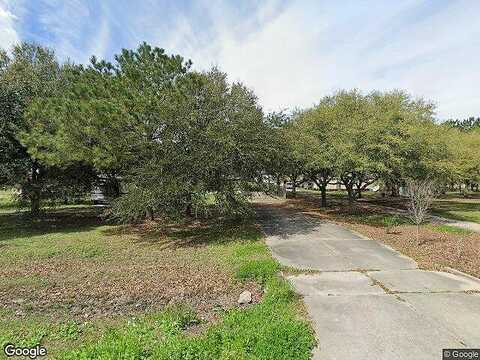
x: 435, y: 250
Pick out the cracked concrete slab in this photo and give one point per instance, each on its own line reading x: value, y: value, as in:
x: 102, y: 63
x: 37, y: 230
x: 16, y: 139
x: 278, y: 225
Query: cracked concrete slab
x: 425, y: 281
x: 335, y: 283
x: 375, y: 327
x: 459, y: 312
x: 312, y: 243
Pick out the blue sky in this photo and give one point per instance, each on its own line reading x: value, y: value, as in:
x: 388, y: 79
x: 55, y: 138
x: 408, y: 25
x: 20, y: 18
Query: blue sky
x: 290, y: 52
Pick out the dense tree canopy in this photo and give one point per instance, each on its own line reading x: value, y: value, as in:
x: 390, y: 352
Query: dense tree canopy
x: 31, y: 73
x: 176, y: 138
x: 162, y: 139
x: 383, y: 138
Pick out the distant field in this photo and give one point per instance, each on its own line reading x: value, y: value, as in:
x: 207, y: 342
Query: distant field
x: 86, y: 289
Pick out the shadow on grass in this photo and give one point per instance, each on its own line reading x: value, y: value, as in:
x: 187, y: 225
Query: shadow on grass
x: 450, y: 205
x: 188, y: 234
x: 65, y: 220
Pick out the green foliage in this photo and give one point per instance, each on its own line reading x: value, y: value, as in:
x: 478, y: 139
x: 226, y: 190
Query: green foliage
x: 32, y: 73
x: 388, y: 138
x: 67, y: 331
x: 466, y: 124
x: 269, y: 330
x: 391, y: 222
x: 173, y: 136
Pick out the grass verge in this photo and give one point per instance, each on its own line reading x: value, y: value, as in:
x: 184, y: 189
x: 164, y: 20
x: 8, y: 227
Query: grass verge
x: 87, y: 290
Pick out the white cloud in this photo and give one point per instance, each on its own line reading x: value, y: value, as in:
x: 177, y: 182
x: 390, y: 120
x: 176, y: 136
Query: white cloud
x: 291, y: 54
x: 8, y: 33
x: 70, y: 24
x: 310, y: 49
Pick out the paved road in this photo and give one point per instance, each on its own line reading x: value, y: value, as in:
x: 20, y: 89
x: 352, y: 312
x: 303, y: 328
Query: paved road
x: 368, y: 301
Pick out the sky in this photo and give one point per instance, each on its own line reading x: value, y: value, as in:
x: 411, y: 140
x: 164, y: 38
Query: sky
x: 291, y: 53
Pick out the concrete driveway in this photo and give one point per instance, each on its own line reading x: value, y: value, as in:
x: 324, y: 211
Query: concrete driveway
x: 368, y: 301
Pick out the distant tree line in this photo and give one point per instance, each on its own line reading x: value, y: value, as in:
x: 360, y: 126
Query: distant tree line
x: 469, y: 124
x: 386, y: 138
x: 165, y: 140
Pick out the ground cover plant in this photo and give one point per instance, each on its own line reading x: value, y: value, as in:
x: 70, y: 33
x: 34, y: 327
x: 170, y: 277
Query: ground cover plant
x: 90, y: 290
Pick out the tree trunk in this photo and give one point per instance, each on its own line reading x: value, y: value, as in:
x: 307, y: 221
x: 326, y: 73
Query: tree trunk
x: 35, y: 204
x: 149, y: 214
x: 34, y: 191
x: 350, y: 192
x: 293, y: 179
x: 394, y: 190
x: 189, y: 208
x: 348, y: 182
x: 279, y: 187
x: 322, y: 182
x: 323, y: 190
x: 359, y: 192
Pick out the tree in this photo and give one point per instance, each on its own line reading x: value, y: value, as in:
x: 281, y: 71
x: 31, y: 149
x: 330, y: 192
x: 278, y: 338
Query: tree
x: 284, y: 159
x: 30, y: 73
x: 178, y: 140
x: 466, y: 124
x: 421, y: 194
x: 313, y: 134
x: 392, y: 110
x: 465, y: 164
x: 210, y: 151
x: 277, y: 149
x: 107, y: 115
x: 355, y: 141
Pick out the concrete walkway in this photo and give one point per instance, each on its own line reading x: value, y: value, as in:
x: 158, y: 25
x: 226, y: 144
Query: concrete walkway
x: 368, y: 301
x: 468, y: 225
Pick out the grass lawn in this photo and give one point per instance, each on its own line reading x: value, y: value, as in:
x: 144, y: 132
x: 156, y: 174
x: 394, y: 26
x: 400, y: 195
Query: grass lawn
x: 88, y: 290
x: 6, y: 201
x: 458, y: 209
